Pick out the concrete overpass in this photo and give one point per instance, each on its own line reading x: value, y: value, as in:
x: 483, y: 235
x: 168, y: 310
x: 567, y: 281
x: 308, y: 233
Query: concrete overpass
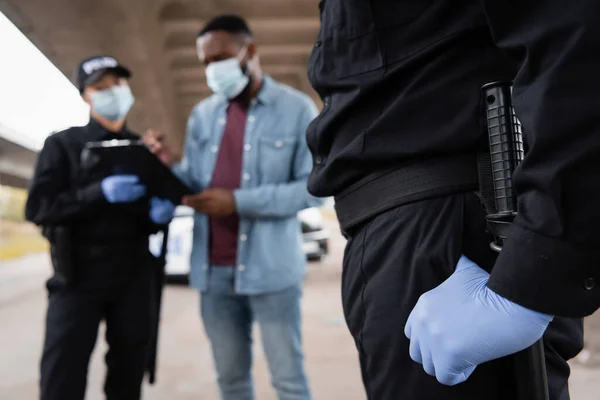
x: 17, y: 158
x: 156, y: 39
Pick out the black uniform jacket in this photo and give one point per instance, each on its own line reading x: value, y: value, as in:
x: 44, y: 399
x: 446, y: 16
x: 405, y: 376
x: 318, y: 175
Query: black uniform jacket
x: 66, y: 190
x: 400, y: 80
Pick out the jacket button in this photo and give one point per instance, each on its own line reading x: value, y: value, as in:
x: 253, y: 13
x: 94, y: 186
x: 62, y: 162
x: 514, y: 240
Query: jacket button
x: 589, y: 284
x: 318, y: 43
x: 242, y: 268
x: 319, y: 160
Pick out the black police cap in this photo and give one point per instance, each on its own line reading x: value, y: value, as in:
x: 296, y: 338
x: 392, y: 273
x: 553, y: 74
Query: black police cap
x: 91, y: 69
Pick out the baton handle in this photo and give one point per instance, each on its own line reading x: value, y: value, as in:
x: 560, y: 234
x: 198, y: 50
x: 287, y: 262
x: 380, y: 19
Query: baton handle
x: 506, y: 151
x: 505, y: 144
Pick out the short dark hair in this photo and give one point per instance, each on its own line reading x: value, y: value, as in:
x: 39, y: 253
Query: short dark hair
x: 233, y: 24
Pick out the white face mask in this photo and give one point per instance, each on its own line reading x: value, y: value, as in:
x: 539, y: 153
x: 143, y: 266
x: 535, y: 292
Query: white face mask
x: 226, y: 77
x: 113, y: 103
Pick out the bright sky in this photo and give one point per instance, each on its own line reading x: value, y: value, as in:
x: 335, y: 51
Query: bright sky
x: 36, y: 99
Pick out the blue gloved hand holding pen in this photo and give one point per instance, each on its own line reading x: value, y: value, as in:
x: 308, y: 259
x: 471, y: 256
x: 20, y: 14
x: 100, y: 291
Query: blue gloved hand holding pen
x: 161, y: 211
x: 461, y: 324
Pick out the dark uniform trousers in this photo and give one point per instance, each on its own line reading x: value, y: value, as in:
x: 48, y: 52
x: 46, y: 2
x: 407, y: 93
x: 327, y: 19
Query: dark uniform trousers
x: 114, y: 284
x: 398, y: 255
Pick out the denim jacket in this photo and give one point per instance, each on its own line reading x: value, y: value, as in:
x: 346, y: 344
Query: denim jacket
x: 275, y: 168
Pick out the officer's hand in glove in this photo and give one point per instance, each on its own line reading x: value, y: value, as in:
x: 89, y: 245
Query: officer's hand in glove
x: 123, y: 188
x: 161, y: 211
x: 461, y: 324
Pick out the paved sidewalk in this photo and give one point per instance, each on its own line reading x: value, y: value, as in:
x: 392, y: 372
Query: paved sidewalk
x: 185, y: 364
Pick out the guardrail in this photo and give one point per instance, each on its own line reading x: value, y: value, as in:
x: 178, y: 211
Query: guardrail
x: 17, y: 237
x: 12, y: 203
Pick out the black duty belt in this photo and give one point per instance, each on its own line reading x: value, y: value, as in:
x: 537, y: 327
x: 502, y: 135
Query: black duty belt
x: 404, y: 184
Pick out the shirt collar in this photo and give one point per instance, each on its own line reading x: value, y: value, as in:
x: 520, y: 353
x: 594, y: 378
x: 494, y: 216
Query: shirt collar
x: 267, y: 93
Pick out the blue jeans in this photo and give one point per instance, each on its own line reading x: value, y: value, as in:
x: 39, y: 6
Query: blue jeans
x: 228, y: 320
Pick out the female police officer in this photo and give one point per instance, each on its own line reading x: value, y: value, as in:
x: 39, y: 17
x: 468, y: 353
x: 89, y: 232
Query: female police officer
x: 98, y: 223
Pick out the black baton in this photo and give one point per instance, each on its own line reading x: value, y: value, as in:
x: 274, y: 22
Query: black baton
x: 157, y: 289
x: 497, y: 165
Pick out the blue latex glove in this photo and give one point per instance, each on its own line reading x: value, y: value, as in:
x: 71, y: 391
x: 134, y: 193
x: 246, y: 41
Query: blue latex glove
x: 161, y: 211
x: 461, y: 324
x: 122, y: 188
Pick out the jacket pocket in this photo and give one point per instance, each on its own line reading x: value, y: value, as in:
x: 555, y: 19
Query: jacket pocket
x: 396, y: 13
x: 197, y: 157
x: 354, y: 33
x: 276, y: 158
x: 349, y: 44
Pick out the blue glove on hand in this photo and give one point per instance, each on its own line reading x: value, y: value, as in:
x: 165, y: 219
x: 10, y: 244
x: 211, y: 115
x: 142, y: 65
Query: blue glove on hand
x: 161, y: 211
x: 122, y: 188
x: 461, y: 324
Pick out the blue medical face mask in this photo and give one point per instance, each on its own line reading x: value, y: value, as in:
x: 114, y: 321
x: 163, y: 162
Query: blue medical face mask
x: 113, y: 103
x: 226, y: 77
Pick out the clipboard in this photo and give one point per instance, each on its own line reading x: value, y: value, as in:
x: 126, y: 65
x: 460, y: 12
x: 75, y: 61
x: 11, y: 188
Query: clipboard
x: 132, y: 157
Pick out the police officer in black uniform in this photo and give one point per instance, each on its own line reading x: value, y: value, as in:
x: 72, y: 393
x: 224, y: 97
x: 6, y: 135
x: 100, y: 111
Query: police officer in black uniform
x: 98, y: 223
x: 395, y: 144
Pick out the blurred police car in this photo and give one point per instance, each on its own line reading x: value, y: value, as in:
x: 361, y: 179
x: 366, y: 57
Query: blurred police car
x: 179, y: 246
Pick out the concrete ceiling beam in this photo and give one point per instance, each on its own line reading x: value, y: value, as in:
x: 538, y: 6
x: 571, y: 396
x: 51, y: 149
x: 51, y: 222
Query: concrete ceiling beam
x: 267, y: 53
x: 207, y: 9
x: 259, y: 26
x: 287, y: 37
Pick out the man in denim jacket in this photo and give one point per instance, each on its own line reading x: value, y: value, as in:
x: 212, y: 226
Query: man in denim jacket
x: 246, y: 157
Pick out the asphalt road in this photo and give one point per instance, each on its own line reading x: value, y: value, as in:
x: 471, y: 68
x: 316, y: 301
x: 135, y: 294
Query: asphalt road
x: 185, y: 365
